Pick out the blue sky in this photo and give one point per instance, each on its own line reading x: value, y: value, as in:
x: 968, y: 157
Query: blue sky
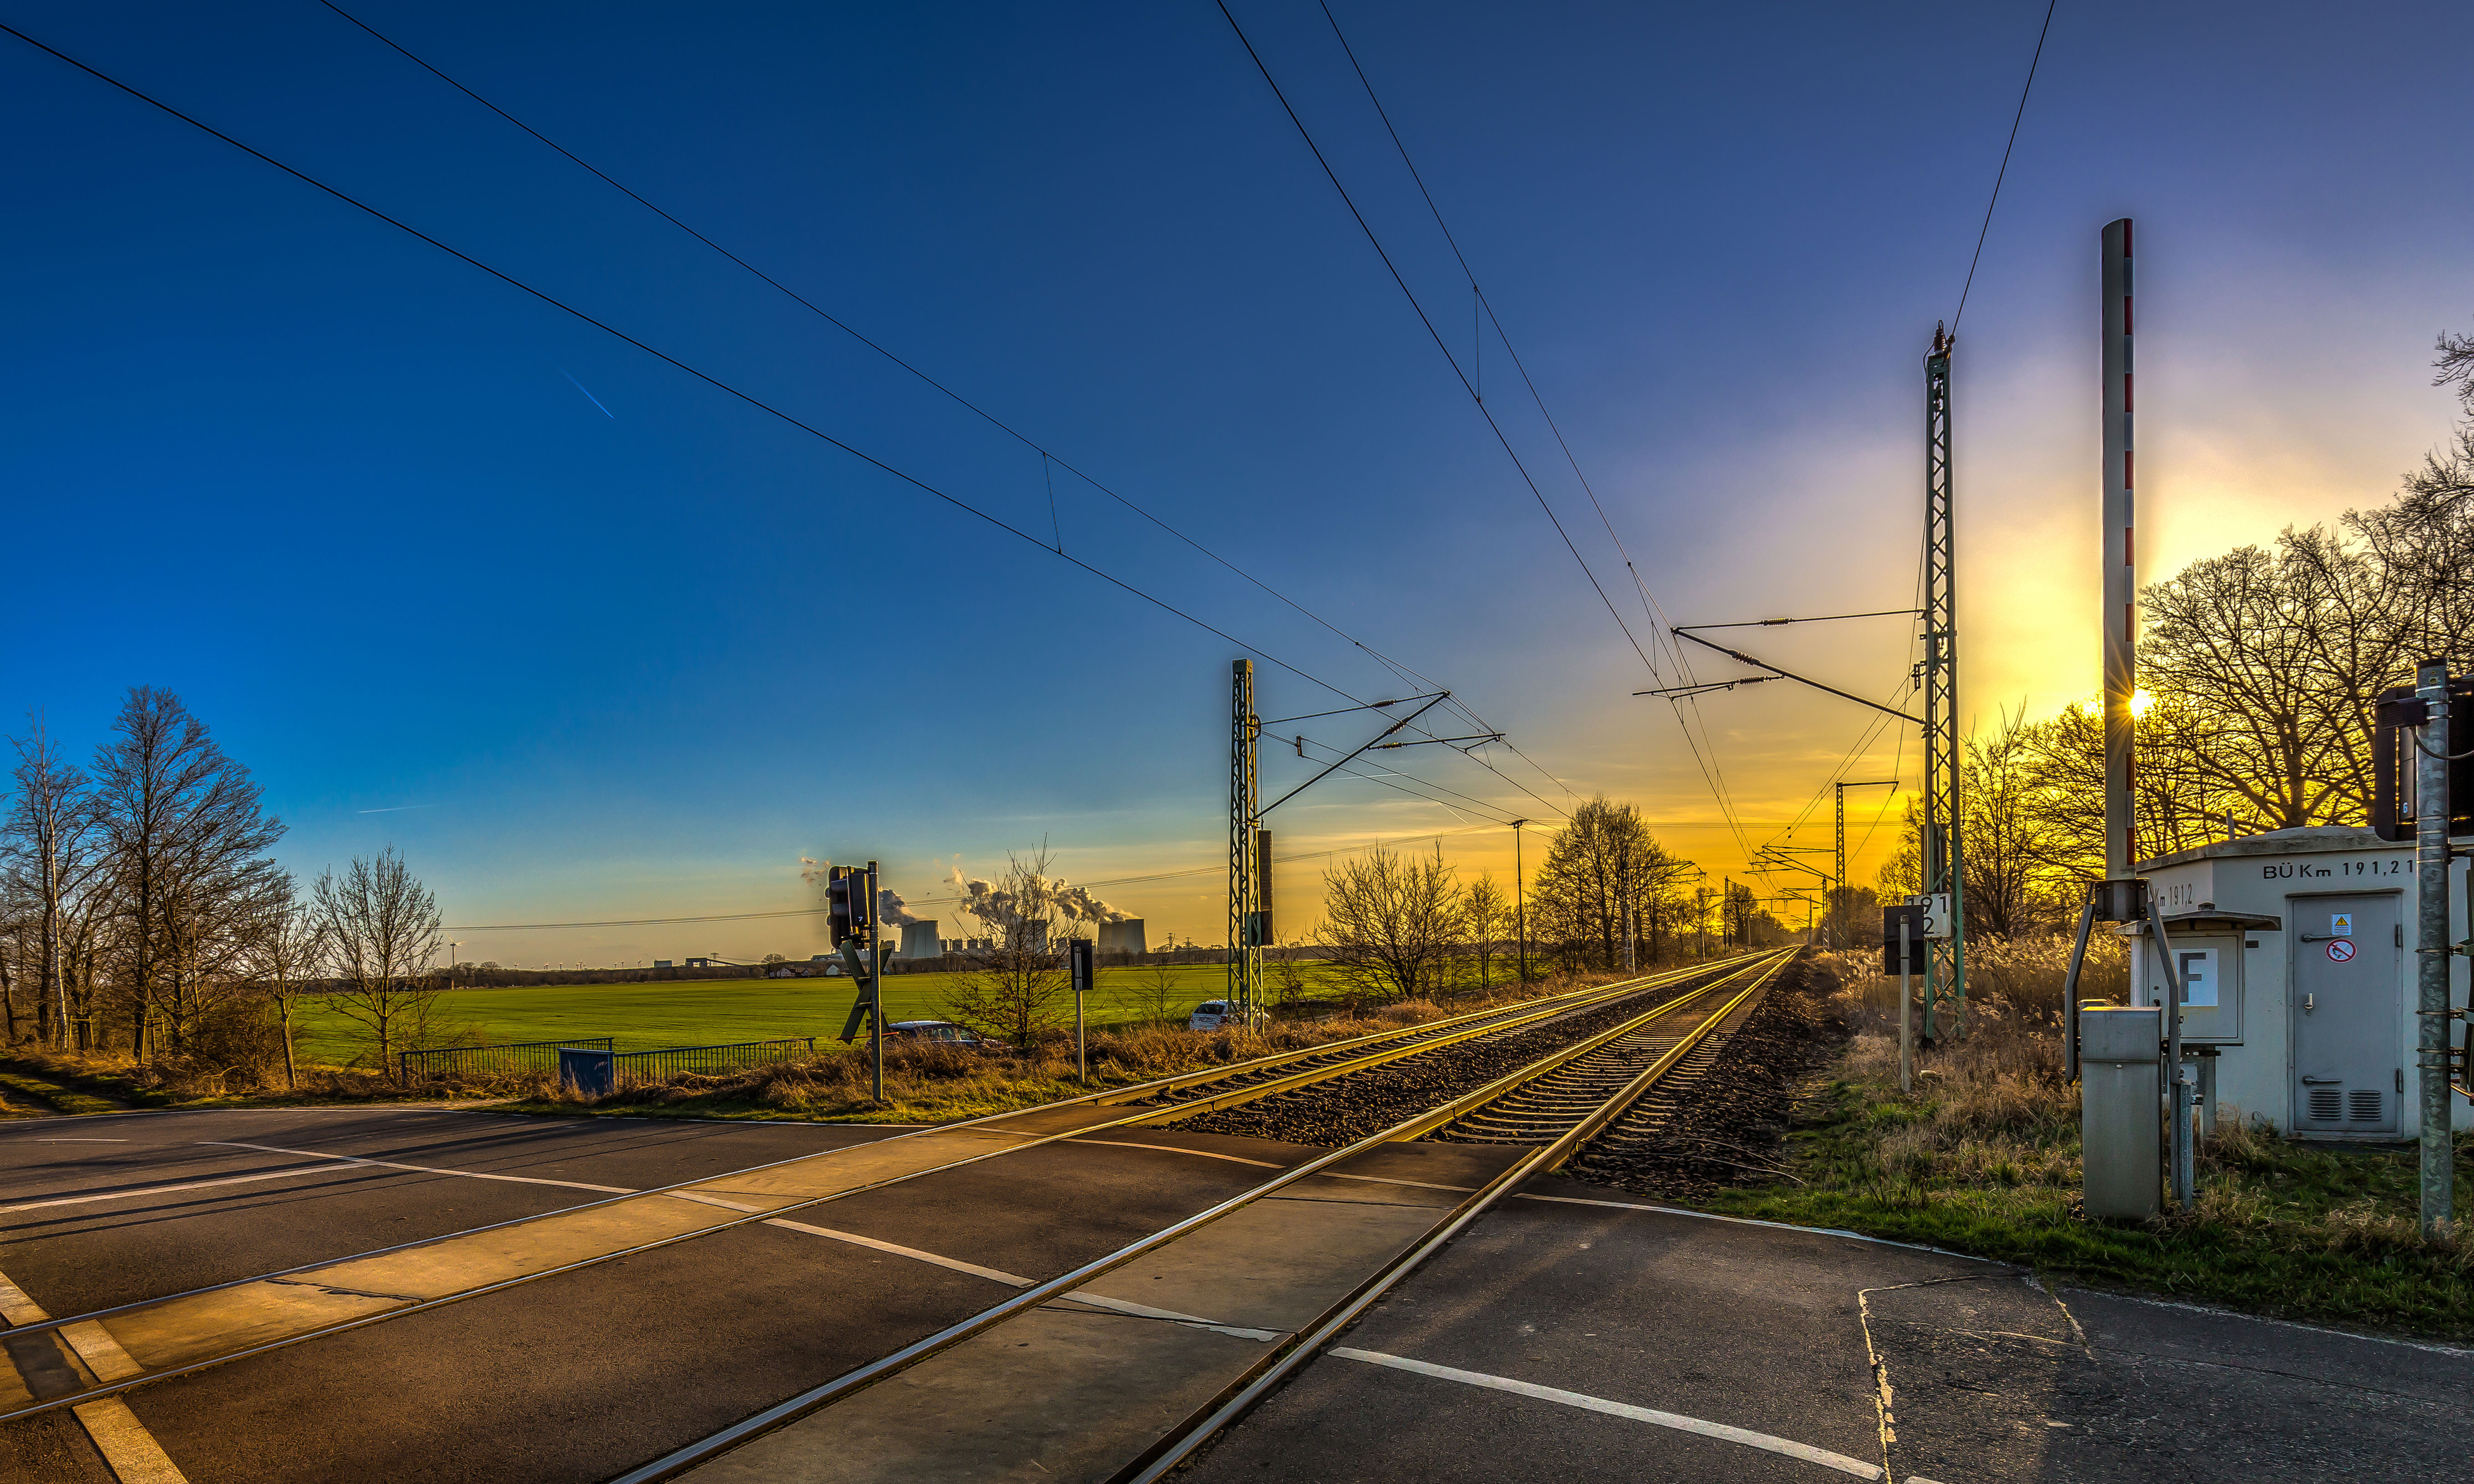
x: 605, y: 642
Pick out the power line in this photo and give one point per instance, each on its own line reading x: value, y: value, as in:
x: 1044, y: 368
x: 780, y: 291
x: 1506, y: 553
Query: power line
x: 1377, y: 243
x: 1711, y: 771
x: 798, y: 912
x: 1048, y: 456
x: 1999, y: 174
x: 665, y: 357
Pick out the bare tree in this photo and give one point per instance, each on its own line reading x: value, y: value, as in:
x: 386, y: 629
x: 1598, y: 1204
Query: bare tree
x: 1015, y: 989
x: 1486, y: 912
x: 379, y: 928
x: 1161, y: 993
x: 48, y: 842
x: 1390, y: 922
x: 1606, y: 876
x: 188, y: 842
x: 1287, y: 974
x: 286, y: 952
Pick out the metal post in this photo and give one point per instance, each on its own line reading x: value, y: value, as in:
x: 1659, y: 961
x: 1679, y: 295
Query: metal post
x: 2185, y: 1175
x: 1942, y: 856
x: 1842, y: 922
x: 875, y: 987
x: 1519, y: 903
x: 2120, y: 623
x: 1907, y: 1015
x: 2432, y: 802
x: 2071, y: 989
x: 1245, y: 972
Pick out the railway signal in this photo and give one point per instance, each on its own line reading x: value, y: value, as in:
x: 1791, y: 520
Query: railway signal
x: 851, y: 918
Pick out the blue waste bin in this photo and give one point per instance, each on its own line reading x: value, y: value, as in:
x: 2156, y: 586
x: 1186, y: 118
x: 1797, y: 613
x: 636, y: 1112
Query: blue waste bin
x: 590, y: 1072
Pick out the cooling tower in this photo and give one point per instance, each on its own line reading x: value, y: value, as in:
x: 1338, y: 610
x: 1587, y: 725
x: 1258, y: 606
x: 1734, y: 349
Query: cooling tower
x: 919, y: 939
x: 1126, y: 937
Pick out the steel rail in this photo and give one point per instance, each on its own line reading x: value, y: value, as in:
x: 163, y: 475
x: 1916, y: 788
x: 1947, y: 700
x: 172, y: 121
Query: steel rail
x: 1521, y: 1016
x: 1261, y: 1379
x: 1569, y: 1000
x: 1312, y: 1075
x: 1111, y: 1096
x: 671, y: 1465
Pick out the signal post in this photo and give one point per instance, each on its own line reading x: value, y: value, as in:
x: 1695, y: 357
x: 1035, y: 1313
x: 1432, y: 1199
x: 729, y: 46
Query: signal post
x: 851, y: 917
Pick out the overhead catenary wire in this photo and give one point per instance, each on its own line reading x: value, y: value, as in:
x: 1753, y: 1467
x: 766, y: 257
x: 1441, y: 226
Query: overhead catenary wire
x: 1711, y: 771
x: 1425, y: 318
x: 1048, y: 456
x: 707, y: 377
x: 2004, y: 173
x: 1213, y: 870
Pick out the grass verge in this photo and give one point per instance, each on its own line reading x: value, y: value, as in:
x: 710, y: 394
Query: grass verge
x: 936, y: 1083
x: 53, y: 1091
x: 1984, y: 1157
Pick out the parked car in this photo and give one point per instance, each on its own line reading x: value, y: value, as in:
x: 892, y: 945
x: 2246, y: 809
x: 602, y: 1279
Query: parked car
x: 1211, y: 1014
x: 937, y: 1030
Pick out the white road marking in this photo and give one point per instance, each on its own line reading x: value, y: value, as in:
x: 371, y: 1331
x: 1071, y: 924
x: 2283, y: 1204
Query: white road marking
x: 1747, y: 1221
x: 2281, y: 1324
x: 702, y: 1200
x: 1194, y: 1321
x: 1017, y: 1281
x: 1206, y: 1154
x: 1640, y: 1414
x: 1423, y: 1185
x: 993, y: 1275
x: 131, y: 1195
x: 128, y: 1448
x: 1200, y: 1154
x: 426, y: 1169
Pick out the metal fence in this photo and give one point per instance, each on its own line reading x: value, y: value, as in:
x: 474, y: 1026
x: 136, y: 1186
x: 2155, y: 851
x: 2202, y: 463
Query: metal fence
x: 500, y: 1057
x: 598, y: 1071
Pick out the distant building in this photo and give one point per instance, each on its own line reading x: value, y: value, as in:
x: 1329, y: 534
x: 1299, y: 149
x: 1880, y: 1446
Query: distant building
x: 700, y: 962
x: 919, y: 939
x: 1126, y: 937
x: 661, y: 963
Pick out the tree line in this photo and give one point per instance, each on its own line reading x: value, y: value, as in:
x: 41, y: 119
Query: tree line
x: 142, y: 912
x: 1403, y: 927
x: 2260, y: 669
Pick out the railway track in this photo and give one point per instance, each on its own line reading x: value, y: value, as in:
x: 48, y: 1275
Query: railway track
x: 1674, y: 1054
x: 1550, y: 1107
x: 179, y: 1335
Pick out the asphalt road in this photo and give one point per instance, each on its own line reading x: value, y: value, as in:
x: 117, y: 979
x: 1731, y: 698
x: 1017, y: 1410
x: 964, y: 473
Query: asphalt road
x: 1572, y: 1343
x: 1572, y: 1335
x: 574, y: 1377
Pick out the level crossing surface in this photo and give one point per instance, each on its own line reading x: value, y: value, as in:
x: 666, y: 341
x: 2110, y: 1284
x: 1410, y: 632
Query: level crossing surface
x: 1581, y: 1334
x: 1571, y: 1332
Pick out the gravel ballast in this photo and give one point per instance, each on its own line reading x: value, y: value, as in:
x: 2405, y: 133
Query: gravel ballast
x: 1340, y: 1112
x: 1727, y: 1125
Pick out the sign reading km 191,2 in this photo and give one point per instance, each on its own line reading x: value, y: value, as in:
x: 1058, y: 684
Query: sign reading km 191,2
x: 1936, y: 922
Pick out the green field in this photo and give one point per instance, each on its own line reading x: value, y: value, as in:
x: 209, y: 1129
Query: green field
x: 704, y: 1012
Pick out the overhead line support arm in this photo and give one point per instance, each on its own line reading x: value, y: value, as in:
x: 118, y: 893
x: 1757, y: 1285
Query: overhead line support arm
x: 1366, y: 747
x: 1686, y: 633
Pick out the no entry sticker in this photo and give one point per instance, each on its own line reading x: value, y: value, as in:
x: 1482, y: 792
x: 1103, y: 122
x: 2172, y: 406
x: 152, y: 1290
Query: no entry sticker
x: 2341, y: 949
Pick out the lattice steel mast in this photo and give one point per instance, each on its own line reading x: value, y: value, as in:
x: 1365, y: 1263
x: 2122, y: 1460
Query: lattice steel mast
x: 1245, y: 888
x: 1943, y: 857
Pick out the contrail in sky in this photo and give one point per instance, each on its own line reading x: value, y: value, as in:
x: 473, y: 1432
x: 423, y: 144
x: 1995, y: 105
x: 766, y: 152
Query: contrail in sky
x: 397, y: 808
x: 588, y: 396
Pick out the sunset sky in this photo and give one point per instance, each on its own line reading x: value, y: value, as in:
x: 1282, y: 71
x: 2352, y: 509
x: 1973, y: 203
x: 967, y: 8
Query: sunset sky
x: 589, y: 639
